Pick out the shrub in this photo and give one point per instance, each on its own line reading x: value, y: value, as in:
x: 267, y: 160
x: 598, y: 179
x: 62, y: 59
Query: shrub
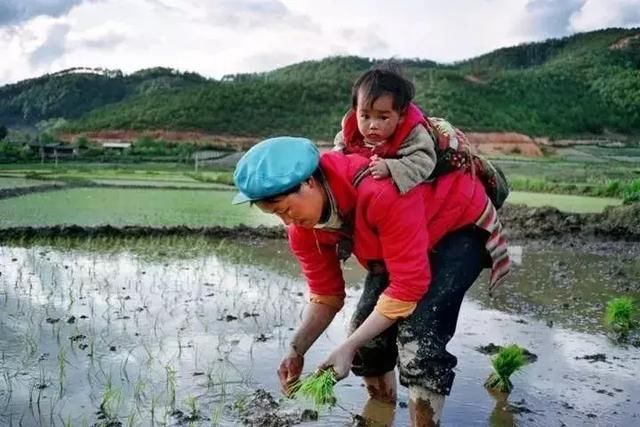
x: 631, y: 192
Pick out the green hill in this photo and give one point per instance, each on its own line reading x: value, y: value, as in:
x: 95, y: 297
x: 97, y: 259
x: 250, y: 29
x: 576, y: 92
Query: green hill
x: 582, y: 85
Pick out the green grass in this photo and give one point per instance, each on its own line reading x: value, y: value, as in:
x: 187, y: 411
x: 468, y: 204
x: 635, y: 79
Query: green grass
x: 507, y: 362
x: 566, y: 203
x: 98, y: 206
x: 620, y: 314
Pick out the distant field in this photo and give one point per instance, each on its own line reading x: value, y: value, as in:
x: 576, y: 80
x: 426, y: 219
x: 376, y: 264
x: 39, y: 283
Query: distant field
x: 566, y: 203
x: 93, y: 166
x: 97, y: 206
x: 118, y: 207
x: 160, y: 184
x: 580, y: 165
x: 632, y: 152
x: 123, y: 176
x: 92, y: 206
x: 569, y: 172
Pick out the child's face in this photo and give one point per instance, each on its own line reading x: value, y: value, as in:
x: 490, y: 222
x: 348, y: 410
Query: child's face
x: 379, y: 121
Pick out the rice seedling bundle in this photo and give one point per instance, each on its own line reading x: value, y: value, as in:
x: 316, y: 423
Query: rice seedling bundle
x: 620, y: 313
x: 316, y: 387
x: 507, y: 362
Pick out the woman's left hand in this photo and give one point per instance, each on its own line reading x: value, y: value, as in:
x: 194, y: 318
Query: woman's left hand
x: 340, y: 360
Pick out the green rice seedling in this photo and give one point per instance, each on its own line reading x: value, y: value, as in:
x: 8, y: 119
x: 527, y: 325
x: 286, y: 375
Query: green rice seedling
x: 152, y: 409
x: 620, y: 313
x: 171, y: 385
x: 138, y: 391
x: 317, y: 387
x: 131, y: 420
x: 507, y: 362
x: 216, y: 414
x: 62, y: 363
x: 192, y: 405
x: 110, y: 402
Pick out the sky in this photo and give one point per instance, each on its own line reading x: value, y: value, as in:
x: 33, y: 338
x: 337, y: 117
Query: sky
x: 218, y: 37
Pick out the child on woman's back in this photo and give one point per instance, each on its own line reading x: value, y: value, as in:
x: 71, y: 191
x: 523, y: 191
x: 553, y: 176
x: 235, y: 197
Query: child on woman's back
x: 387, y: 128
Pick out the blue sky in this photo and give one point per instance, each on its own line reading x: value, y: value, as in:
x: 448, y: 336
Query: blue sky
x: 217, y: 37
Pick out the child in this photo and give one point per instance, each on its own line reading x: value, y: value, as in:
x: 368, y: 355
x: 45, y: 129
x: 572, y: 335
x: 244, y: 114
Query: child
x: 386, y: 127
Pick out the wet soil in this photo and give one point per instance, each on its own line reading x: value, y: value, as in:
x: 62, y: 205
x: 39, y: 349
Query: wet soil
x: 491, y: 349
x: 260, y: 408
x: 621, y: 223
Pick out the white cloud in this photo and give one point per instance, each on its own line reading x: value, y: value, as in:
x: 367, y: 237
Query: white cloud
x: 52, y: 48
x: 548, y: 18
x: 16, y: 11
x: 217, y: 37
x: 607, y: 13
x: 105, y: 36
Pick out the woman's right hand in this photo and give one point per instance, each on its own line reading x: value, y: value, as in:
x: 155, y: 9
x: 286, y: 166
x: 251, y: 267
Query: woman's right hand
x: 290, y: 370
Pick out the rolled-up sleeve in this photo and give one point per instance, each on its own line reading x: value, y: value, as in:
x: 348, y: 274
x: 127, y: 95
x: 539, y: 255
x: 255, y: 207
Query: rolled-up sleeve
x: 320, y: 266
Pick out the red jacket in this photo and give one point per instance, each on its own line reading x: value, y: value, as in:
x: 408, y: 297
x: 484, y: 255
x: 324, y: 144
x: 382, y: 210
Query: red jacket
x: 386, y: 226
x: 354, y: 141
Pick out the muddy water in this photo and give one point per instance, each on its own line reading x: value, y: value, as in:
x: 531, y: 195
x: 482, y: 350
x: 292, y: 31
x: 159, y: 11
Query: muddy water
x: 148, y: 338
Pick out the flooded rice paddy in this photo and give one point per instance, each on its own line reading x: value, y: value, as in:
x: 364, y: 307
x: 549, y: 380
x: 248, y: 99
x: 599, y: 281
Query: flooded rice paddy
x: 179, y: 331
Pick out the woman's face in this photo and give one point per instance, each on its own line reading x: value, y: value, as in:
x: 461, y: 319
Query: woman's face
x: 302, y: 208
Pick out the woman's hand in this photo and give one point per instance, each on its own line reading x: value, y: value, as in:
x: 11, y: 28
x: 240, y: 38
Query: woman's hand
x: 340, y: 360
x: 315, y: 320
x: 342, y: 357
x: 290, y: 370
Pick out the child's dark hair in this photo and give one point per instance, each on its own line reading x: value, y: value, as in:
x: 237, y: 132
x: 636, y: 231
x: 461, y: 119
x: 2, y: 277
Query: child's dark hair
x: 383, y: 80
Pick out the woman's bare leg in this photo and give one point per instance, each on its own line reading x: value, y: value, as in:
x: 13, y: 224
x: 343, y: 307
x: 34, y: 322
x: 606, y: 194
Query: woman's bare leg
x: 425, y: 407
x: 381, y: 406
x: 382, y: 388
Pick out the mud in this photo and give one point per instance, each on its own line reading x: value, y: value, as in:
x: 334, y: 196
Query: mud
x: 620, y: 223
x: 260, y: 409
x: 241, y: 232
x: 491, y: 349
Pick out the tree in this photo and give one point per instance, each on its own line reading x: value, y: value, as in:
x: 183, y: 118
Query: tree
x: 3, y: 132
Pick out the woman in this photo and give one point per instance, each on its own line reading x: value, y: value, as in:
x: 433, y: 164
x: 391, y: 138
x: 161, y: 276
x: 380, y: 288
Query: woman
x: 422, y: 250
